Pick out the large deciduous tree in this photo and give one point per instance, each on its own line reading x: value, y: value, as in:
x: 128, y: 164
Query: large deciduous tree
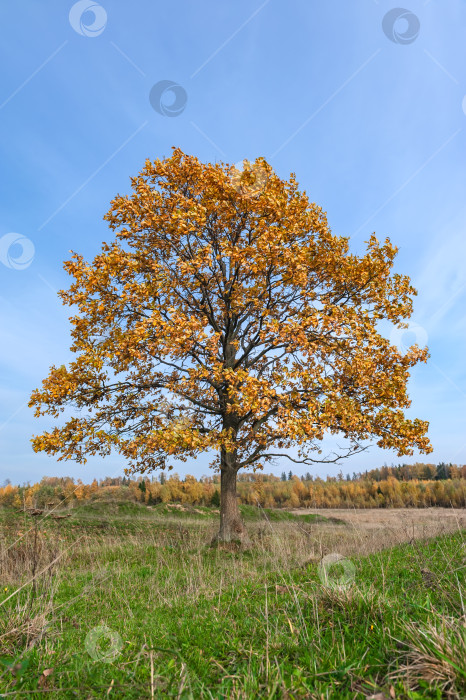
x: 226, y: 316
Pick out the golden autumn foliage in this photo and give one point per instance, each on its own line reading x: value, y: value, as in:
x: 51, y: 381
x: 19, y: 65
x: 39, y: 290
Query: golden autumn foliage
x: 264, y: 490
x: 226, y: 316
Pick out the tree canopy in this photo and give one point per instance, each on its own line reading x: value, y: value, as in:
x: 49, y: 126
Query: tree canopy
x: 226, y: 316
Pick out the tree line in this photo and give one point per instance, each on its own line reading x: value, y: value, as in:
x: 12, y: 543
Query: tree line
x: 416, y: 485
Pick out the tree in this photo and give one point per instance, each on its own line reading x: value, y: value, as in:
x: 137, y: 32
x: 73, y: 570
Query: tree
x: 442, y: 471
x: 227, y: 294
x: 428, y: 471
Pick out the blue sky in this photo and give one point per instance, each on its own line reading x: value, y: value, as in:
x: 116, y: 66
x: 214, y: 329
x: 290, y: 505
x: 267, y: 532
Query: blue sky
x: 372, y: 122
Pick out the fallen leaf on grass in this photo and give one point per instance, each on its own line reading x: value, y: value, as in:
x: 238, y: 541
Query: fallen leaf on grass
x: 43, y: 677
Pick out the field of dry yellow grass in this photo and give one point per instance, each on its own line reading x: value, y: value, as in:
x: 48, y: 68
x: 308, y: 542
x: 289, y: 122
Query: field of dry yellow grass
x: 372, y: 529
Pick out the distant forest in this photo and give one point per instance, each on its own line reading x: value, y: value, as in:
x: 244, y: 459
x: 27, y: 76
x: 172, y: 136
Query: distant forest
x: 408, y: 485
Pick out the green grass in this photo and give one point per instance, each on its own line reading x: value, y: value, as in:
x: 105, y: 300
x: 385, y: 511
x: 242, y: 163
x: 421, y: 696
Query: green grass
x: 125, y: 509
x: 134, y: 517
x: 277, y: 515
x: 193, y: 622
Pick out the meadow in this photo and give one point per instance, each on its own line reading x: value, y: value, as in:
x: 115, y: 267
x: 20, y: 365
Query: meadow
x: 125, y: 600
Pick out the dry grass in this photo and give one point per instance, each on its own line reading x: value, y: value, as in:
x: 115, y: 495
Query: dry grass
x: 436, y: 654
x: 371, y: 530
x: 24, y: 626
x: 352, y: 598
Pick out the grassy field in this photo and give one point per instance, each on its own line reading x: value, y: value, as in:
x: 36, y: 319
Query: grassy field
x: 125, y: 601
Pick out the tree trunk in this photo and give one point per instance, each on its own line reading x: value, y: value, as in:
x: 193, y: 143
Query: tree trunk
x: 231, y: 524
